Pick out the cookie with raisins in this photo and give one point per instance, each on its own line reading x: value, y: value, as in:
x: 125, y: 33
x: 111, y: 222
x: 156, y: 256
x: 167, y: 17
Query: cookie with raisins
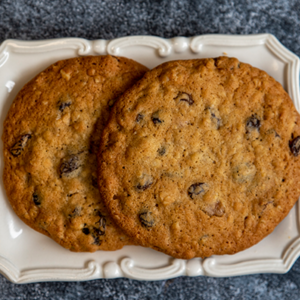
x: 51, y: 138
x: 200, y: 157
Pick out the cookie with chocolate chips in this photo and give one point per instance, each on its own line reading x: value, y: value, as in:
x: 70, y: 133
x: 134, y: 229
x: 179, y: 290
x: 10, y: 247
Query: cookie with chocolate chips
x: 51, y: 138
x: 201, y: 157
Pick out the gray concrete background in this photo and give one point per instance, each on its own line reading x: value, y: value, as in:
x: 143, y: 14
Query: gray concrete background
x: 41, y: 19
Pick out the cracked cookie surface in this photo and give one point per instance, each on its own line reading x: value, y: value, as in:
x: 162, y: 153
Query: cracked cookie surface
x: 200, y: 157
x: 51, y: 138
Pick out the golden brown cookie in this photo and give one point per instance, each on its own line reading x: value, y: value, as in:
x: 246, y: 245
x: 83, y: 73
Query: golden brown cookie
x: 201, y: 157
x: 51, y: 136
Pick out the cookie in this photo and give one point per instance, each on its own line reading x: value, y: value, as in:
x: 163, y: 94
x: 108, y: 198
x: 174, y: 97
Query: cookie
x: 201, y: 157
x: 51, y: 136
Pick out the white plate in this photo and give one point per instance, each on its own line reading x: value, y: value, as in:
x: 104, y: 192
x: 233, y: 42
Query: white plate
x: 27, y: 256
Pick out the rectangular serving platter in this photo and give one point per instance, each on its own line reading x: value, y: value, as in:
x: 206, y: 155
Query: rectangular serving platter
x: 27, y: 256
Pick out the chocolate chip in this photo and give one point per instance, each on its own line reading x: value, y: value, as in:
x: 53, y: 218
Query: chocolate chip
x: 36, y: 199
x: 182, y: 96
x: 295, y: 146
x: 69, y: 165
x: 162, y: 151
x: 197, y: 189
x: 63, y: 105
x: 147, y: 219
x: 144, y: 182
x: 86, y: 231
x: 19, y: 146
x: 253, y: 123
x: 139, y: 117
x: 155, y: 118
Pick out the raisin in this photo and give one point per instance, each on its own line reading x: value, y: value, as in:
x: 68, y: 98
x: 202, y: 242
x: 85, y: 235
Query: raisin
x: 253, y: 123
x: 63, y: 105
x: 156, y: 121
x: 97, y: 232
x: 96, y: 237
x: 162, y: 151
x: 19, y: 146
x: 155, y: 118
x: 102, y: 225
x: 146, y: 219
x: 295, y: 146
x: 69, y: 165
x: 86, y: 231
x: 182, y: 96
x: 197, y: 189
x: 139, y: 118
x: 36, y: 199
x: 144, y: 182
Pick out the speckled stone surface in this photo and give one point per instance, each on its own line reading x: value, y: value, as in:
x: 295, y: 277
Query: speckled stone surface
x: 34, y: 20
